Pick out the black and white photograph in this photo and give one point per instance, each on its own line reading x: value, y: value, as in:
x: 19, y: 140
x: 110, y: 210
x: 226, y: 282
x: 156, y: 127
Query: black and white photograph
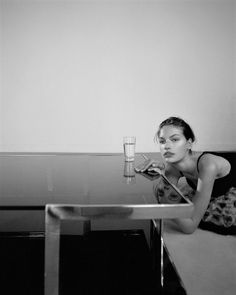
x: 117, y: 147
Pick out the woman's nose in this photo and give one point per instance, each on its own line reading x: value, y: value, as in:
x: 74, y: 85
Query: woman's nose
x: 167, y: 145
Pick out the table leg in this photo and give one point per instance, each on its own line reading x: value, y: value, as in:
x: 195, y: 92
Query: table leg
x: 52, y: 252
x: 157, y: 249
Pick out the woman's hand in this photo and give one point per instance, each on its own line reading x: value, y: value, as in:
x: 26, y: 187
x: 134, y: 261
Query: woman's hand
x: 150, y: 165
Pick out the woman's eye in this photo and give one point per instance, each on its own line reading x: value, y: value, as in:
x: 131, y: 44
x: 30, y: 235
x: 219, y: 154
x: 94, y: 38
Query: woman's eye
x: 175, y: 139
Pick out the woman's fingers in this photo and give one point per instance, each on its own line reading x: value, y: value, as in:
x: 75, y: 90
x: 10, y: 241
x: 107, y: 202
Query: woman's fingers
x: 147, y: 164
x: 150, y: 164
x: 158, y: 165
x: 142, y: 167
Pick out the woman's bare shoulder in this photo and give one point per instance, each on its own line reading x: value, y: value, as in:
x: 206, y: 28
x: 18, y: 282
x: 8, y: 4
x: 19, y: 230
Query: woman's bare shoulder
x: 209, y: 161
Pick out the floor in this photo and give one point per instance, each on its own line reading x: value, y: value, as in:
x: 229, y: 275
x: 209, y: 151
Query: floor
x: 99, y: 263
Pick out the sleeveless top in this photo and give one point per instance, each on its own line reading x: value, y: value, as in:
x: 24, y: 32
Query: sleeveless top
x: 221, y: 185
x: 220, y: 216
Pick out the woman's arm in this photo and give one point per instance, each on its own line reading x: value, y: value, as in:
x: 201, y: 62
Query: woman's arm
x: 207, y: 174
x: 150, y: 164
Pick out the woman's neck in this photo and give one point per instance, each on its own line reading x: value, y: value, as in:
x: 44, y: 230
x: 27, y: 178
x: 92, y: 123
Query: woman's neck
x: 187, y: 164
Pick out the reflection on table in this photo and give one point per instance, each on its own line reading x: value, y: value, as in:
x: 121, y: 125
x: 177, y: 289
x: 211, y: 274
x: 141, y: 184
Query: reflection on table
x: 85, y: 188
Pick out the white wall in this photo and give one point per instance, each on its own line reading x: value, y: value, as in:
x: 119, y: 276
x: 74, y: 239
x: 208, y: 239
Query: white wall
x: 79, y: 75
x: 1, y: 117
x: 234, y: 38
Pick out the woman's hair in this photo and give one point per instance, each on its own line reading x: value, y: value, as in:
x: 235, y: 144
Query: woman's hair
x: 177, y: 122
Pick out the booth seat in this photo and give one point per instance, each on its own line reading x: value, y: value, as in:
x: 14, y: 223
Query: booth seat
x: 205, y: 260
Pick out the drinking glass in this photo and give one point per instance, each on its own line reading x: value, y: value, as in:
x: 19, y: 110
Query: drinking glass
x: 129, y: 148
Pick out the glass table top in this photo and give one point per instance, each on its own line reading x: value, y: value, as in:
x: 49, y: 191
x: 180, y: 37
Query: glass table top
x: 83, y: 186
x: 34, y: 180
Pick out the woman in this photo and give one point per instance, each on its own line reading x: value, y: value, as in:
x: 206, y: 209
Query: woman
x: 205, y: 172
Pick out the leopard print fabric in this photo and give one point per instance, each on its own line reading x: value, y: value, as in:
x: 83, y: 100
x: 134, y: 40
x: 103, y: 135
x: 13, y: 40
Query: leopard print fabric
x: 220, y: 216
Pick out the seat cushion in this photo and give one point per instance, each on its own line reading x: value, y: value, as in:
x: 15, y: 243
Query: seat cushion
x: 205, y: 261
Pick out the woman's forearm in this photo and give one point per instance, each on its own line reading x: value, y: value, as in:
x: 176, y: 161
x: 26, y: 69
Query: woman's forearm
x: 187, y: 225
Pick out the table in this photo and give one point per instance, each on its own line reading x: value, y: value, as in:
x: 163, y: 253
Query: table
x: 86, y: 187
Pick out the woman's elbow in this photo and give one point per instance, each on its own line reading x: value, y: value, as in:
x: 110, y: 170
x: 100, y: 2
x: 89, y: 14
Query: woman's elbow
x: 188, y: 225
x: 188, y: 229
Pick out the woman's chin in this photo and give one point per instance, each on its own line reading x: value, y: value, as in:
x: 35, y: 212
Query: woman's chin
x: 169, y: 160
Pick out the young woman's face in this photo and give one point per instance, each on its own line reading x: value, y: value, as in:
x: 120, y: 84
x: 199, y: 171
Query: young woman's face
x: 173, y: 144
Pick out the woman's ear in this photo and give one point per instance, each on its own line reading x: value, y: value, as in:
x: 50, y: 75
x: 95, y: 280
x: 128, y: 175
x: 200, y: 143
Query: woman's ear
x: 190, y: 143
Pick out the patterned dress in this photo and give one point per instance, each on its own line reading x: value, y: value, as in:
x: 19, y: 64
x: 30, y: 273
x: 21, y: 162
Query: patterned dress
x: 220, y: 216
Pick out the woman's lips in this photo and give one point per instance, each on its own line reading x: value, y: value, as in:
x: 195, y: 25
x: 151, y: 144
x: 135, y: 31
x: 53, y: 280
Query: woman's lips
x: 168, y: 154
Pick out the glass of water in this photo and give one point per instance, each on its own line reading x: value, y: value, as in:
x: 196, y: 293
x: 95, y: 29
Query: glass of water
x: 129, y: 148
